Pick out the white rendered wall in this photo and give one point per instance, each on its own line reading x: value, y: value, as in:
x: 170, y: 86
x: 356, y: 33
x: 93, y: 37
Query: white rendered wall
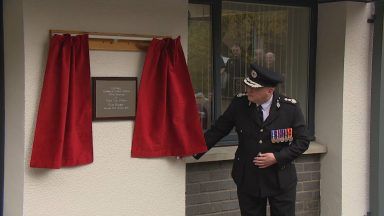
x: 14, y: 107
x: 343, y: 106
x: 115, y: 184
x: 329, y: 103
x: 356, y: 109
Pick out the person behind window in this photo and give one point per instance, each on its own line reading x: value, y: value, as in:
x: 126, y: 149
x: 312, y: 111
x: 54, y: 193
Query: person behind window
x: 235, y: 72
x: 272, y: 134
x: 201, y: 103
x: 224, y: 76
x: 270, y: 60
x: 259, y: 56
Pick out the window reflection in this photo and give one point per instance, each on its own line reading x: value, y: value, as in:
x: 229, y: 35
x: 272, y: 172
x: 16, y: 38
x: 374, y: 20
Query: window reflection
x: 274, y: 37
x: 200, y: 59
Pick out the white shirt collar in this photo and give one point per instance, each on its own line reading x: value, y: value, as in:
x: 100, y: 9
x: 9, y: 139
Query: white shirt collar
x: 267, y: 105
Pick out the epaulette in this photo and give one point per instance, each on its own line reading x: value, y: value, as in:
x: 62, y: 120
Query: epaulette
x: 241, y: 94
x: 288, y: 100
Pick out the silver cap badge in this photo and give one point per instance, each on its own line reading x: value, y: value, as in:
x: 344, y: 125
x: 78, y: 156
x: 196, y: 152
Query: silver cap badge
x: 253, y: 74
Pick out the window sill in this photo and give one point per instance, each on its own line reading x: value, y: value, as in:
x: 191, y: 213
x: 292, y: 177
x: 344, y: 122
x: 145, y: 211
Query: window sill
x: 228, y: 152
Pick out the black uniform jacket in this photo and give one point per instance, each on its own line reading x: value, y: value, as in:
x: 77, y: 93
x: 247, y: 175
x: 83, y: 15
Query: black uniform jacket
x: 255, y: 136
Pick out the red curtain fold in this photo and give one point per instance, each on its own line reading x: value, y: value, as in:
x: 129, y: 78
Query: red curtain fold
x: 63, y: 134
x: 167, y: 121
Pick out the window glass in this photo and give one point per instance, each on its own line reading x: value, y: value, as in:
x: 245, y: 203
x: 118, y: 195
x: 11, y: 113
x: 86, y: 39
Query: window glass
x: 200, y: 59
x: 275, y: 37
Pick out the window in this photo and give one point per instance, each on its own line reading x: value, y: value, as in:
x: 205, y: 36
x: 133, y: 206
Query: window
x: 200, y: 59
x: 277, y: 37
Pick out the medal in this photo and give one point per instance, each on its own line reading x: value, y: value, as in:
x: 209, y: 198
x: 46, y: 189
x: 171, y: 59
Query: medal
x: 290, y: 136
x: 276, y: 135
x: 281, y: 135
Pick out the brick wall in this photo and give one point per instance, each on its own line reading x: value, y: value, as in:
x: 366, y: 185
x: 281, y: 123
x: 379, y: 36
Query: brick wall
x: 211, y: 191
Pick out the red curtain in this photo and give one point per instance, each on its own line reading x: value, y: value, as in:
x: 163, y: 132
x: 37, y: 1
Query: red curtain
x: 167, y: 121
x: 63, y: 134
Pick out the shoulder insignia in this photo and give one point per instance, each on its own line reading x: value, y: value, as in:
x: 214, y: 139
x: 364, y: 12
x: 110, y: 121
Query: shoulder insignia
x: 290, y: 100
x: 241, y: 94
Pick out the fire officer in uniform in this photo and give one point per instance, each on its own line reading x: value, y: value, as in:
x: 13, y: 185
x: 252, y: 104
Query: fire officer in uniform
x: 272, y: 134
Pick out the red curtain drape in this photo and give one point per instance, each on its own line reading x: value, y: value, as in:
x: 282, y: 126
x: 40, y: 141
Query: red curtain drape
x: 63, y: 134
x: 167, y: 121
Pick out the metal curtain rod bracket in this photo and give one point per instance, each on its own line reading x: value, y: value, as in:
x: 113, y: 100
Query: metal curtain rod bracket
x: 114, y: 41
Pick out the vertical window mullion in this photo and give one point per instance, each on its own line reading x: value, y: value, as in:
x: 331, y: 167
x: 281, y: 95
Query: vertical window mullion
x: 216, y: 43
x: 312, y: 70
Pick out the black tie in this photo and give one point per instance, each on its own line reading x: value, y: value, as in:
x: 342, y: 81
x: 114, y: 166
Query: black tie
x: 260, y: 113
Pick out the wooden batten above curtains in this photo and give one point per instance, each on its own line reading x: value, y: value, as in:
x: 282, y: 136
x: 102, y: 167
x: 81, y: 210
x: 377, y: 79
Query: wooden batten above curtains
x: 114, y: 41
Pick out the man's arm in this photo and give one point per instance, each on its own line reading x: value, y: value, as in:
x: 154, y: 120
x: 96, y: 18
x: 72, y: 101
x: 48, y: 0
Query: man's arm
x: 300, y: 141
x: 221, y: 128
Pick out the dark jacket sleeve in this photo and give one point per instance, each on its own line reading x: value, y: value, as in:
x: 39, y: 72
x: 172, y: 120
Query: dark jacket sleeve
x: 300, y: 141
x: 221, y: 128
